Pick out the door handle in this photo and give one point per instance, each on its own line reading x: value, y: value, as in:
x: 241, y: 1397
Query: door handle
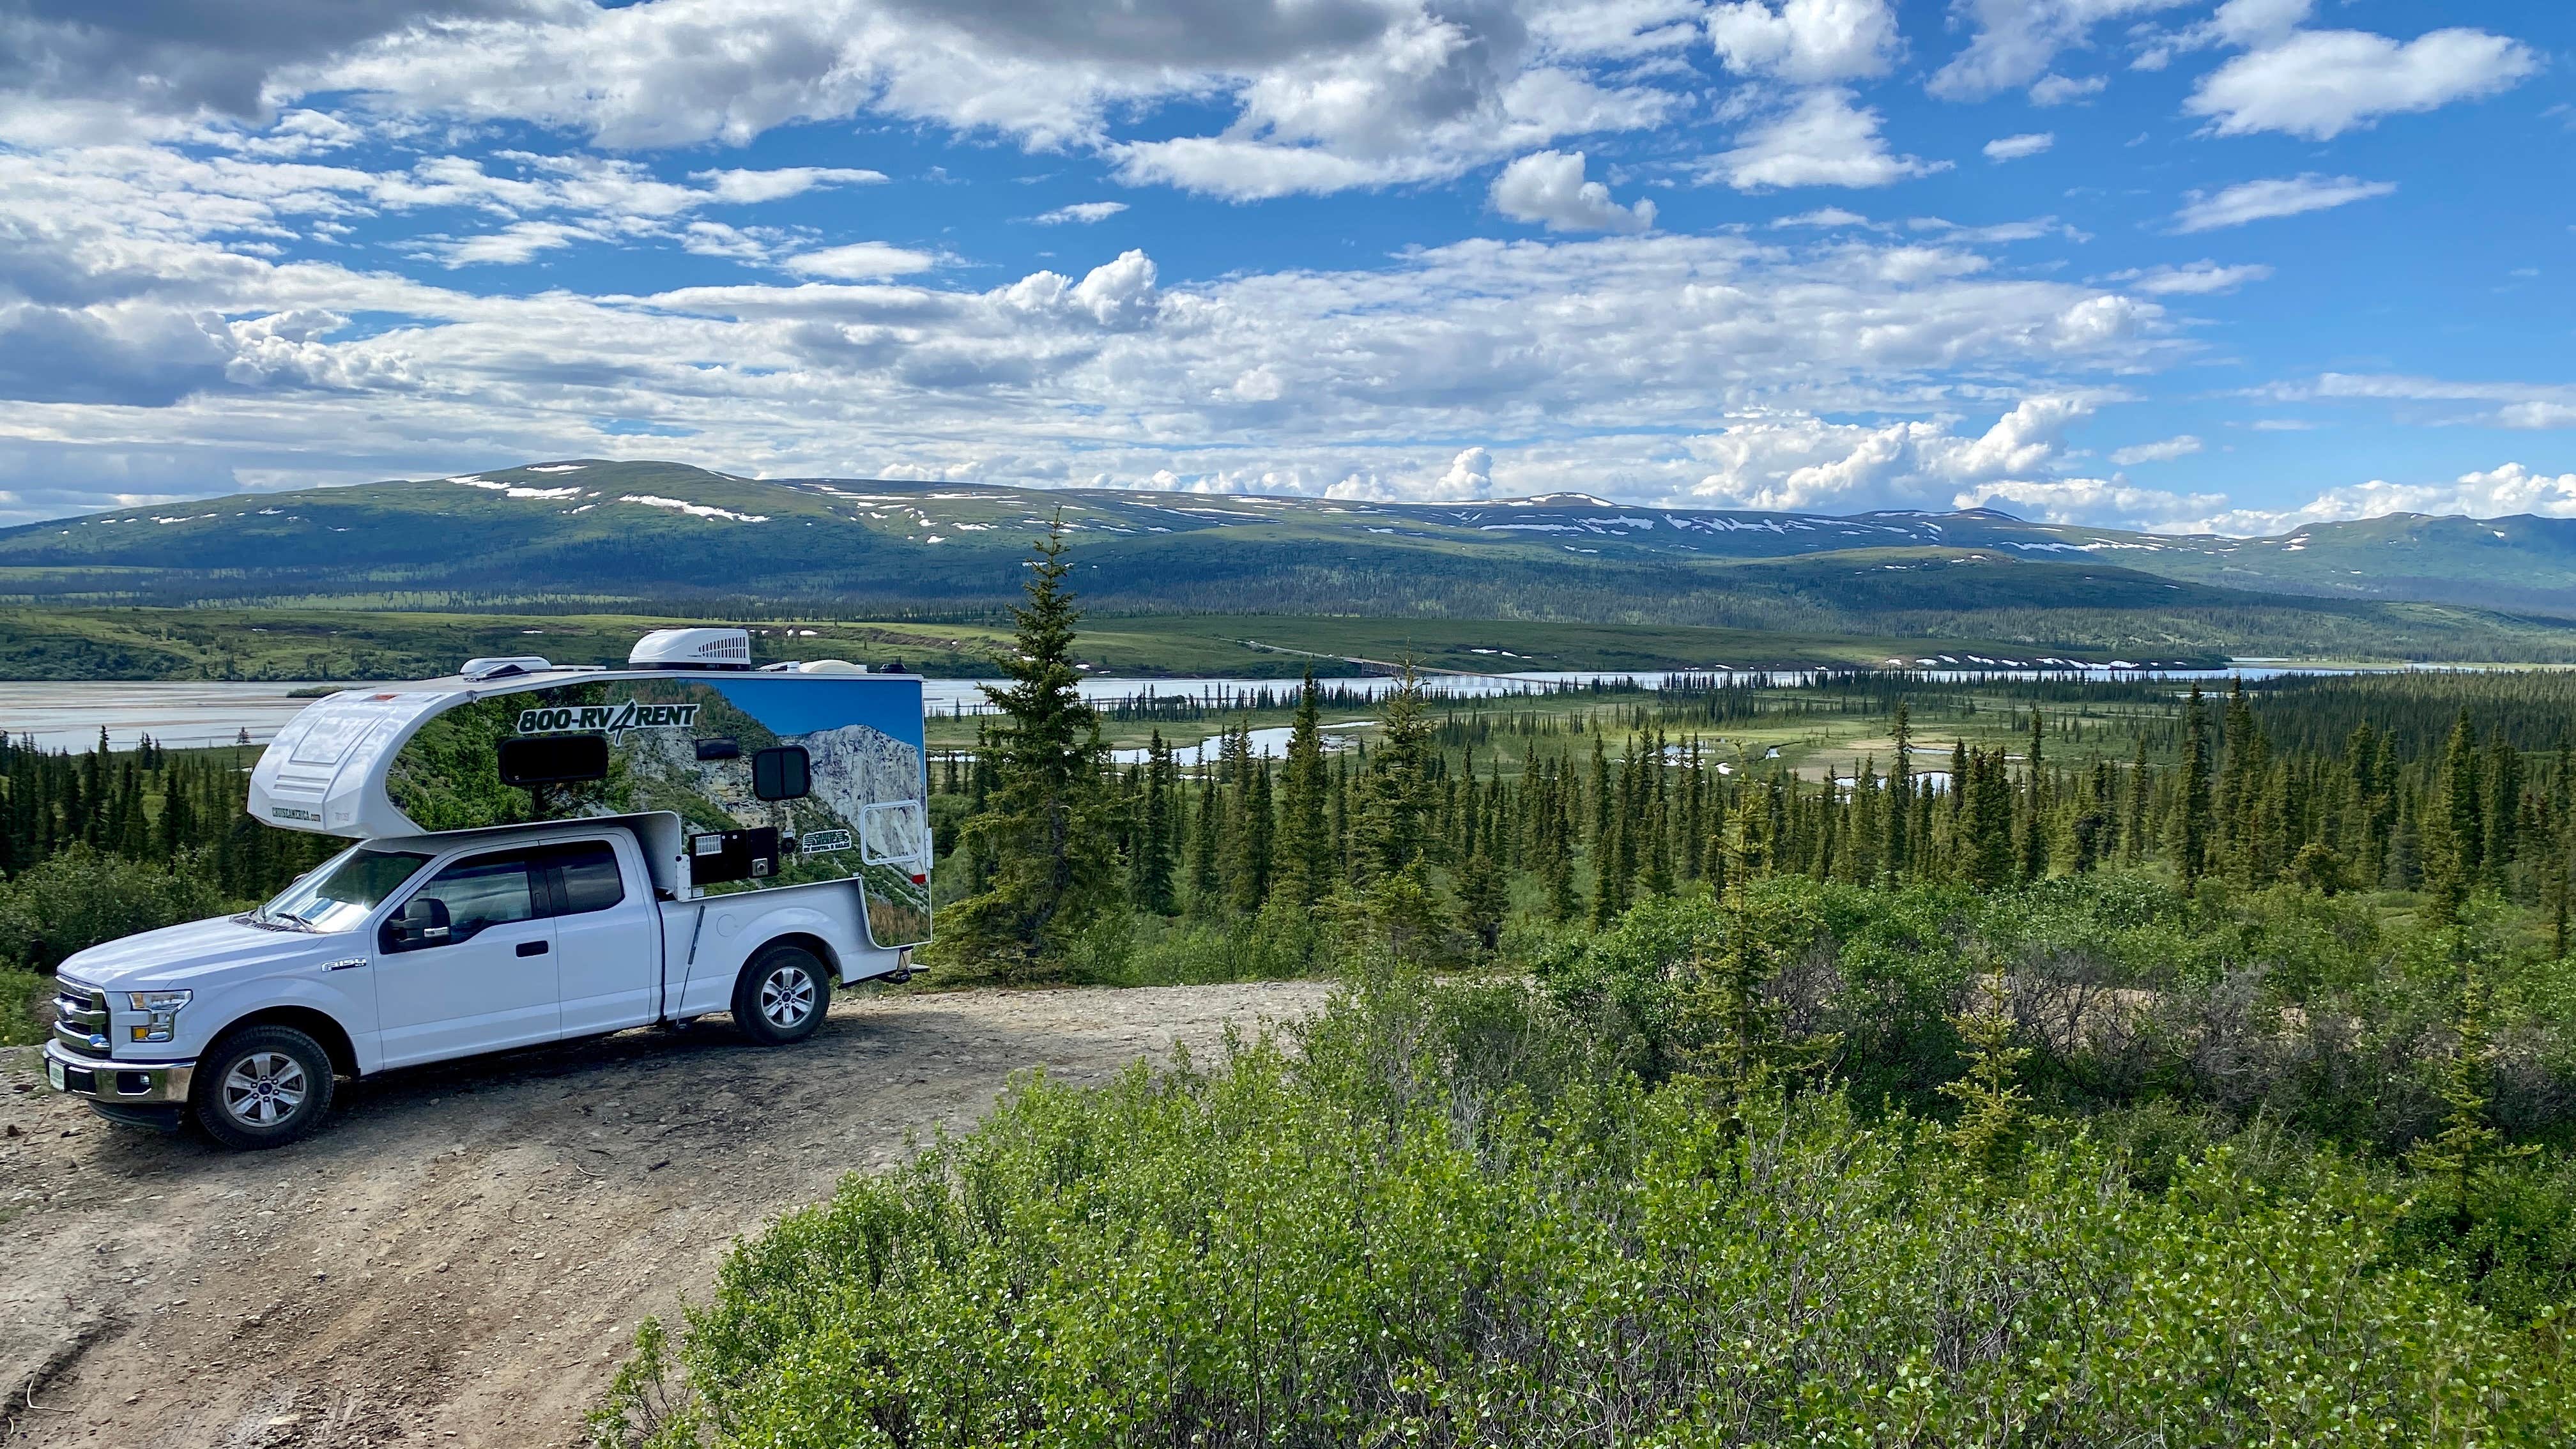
x: 532, y: 948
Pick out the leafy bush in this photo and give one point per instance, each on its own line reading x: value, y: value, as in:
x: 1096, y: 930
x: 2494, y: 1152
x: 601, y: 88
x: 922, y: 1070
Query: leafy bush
x: 80, y: 898
x: 2275, y: 1004
x: 1445, y: 1216
x: 1136, y: 949
x: 19, y: 993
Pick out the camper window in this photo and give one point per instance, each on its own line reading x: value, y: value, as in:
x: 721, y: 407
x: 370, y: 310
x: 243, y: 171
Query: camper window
x: 892, y: 832
x: 553, y: 759
x: 785, y: 773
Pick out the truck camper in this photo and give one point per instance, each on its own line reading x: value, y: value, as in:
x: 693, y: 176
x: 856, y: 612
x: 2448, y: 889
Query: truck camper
x: 539, y: 853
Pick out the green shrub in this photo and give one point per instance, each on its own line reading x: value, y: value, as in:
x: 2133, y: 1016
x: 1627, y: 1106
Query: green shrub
x: 1124, y: 949
x: 19, y: 993
x: 2276, y: 1004
x: 80, y: 898
x: 1438, y: 1216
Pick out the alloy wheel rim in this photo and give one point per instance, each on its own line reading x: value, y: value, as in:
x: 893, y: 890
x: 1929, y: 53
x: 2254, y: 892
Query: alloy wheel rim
x: 787, y: 996
x: 263, y: 1089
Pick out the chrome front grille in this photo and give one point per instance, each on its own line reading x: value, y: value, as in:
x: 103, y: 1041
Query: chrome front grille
x: 80, y: 1013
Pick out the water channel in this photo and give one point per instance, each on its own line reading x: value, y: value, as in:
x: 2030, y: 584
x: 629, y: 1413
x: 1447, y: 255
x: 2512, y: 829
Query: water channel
x: 68, y: 715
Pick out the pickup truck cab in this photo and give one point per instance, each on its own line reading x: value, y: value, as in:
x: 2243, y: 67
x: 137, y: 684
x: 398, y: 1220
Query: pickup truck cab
x: 747, y: 896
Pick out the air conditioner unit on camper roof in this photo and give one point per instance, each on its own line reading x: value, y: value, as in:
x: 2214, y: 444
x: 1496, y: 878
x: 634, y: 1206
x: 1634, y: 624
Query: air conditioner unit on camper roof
x: 692, y: 649
x: 478, y: 670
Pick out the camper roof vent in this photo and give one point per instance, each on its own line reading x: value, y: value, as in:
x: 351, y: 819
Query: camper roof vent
x: 478, y: 670
x: 692, y: 649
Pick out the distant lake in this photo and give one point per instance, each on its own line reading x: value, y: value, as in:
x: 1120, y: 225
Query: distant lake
x: 63, y: 715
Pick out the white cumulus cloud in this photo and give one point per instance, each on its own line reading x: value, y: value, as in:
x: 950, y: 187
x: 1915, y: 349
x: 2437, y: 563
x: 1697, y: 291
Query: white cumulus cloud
x: 1548, y: 187
x: 2318, y: 84
x: 2494, y: 493
x: 2014, y: 148
x: 1821, y: 139
x: 1805, y: 42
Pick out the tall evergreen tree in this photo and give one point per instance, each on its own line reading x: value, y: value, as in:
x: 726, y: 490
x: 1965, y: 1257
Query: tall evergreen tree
x: 2501, y: 843
x: 1152, y: 861
x: 1894, y: 852
x: 2454, y: 834
x: 2191, y: 822
x: 2034, y: 836
x: 1049, y: 829
x: 1306, y: 872
x: 2133, y: 831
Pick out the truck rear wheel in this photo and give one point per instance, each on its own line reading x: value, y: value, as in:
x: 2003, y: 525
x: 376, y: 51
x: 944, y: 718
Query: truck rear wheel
x: 781, y: 995
x: 264, y: 1087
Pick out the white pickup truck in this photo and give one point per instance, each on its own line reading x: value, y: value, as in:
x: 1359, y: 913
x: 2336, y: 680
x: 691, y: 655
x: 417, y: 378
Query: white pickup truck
x: 612, y: 848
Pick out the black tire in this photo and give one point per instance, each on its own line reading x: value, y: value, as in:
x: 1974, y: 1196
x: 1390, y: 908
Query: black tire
x: 261, y: 1087
x: 782, y: 995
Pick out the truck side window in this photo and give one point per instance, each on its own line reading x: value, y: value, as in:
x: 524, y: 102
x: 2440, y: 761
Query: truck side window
x: 484, y: 891
x: 586, y: 877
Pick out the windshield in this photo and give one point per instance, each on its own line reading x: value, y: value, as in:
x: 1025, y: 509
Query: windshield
x: 338, y: 895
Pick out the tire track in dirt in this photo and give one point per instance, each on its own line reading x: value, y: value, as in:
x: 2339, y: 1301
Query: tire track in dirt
x: 461, y: 1255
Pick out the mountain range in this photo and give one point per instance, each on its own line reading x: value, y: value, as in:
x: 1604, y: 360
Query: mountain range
x: 599, y: 533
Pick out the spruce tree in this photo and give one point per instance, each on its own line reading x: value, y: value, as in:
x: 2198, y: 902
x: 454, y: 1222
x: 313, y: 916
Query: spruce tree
x: 2034, y: 836
x: 2468, y: 1144
x: 2501, y: 842
x: 1250, y: 874
x: 1994, y: 1112
x: 1894, y: 851
x: 1152, y: 862
x: 1306, y: 873
x: 2561, y: 831
x: 1484, y: 898
x: 1049, y: 828
x: 2454, y: 835
x: 1207, y: 824
x: 2236, y: 784
x: 2191, y: 823
x: 1391, y: 825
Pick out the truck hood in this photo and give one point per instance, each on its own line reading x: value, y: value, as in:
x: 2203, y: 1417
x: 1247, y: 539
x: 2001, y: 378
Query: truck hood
x: 176, y: 956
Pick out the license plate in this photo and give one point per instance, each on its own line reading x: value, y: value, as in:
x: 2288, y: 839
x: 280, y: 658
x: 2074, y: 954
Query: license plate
x: 54, y: 1074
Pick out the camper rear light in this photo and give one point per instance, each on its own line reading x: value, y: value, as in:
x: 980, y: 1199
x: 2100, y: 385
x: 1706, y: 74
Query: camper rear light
x: 920, y: 879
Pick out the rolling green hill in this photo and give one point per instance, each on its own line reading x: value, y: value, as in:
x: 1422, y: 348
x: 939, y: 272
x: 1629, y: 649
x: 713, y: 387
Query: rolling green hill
x: 637, y: 537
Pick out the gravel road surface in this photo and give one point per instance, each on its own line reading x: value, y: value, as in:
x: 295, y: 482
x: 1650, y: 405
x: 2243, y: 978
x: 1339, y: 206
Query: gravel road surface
x: 461, y: 1255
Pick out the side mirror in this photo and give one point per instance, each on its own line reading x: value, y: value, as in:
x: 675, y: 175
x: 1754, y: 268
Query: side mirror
x: 423, y: 922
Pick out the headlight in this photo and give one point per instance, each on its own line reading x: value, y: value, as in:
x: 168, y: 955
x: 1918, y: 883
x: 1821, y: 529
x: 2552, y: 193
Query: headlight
x: 160, y: 1013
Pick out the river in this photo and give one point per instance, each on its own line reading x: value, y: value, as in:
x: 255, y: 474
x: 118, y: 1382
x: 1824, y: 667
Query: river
x: 63, y: 715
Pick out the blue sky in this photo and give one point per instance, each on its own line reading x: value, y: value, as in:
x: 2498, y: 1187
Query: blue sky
x: 2160, y: 263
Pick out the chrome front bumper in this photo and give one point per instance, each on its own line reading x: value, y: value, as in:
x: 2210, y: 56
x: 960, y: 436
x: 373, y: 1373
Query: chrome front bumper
x: 123, y: 1084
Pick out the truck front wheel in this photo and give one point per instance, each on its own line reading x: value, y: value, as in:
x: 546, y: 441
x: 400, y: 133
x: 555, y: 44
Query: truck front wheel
x: 263, y: 1087
x: 781, y: 996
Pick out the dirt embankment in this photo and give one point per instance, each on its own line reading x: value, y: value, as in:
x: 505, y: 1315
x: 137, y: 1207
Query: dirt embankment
x: 461, y: 1255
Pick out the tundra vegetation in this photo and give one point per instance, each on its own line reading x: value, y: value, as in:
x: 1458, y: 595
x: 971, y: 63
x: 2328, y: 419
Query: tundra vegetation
x: 1867, y: 1058
x: 2129, y: 1066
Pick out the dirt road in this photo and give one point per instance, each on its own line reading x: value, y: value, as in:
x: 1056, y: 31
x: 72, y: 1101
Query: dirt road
x: 462, y: 1254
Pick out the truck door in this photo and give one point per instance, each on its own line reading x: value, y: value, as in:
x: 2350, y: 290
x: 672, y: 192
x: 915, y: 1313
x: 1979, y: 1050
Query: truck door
x: 608, y: 938
x: 488, y: 981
